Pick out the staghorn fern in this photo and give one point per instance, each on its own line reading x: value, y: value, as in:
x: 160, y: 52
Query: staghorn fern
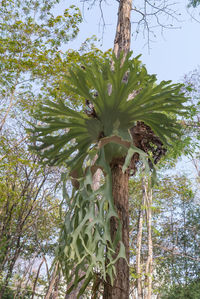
x: 85, y: 241
x: 115, y: 115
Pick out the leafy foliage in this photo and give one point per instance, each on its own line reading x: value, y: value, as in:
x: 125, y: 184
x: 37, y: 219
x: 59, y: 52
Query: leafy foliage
x: 31, y: 37
x: 190, y: 291
x: 29, y: 215
x: 73, y: 137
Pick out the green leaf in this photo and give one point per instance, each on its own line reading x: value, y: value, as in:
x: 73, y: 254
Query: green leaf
x: 132, y: 150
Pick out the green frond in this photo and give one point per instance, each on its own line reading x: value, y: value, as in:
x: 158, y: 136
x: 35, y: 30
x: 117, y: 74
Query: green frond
x: 64, y: 135
x: 85, y: 242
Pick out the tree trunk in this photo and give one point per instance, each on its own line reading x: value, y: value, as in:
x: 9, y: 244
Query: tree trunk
x: 138, y: 249
x: 149, y: 263
x: 120, y: 289
x: 123, y: 33
x: 36, y: 279
x: 24, y: 279
x: 10, y: 269
x: 52, y: 282
x: 55, y: 294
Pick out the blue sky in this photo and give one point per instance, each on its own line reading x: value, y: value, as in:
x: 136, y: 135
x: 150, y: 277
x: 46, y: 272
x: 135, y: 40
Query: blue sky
x: 171, y: 56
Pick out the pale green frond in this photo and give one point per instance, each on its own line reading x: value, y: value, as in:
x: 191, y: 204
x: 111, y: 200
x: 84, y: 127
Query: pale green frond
x: 122, y: 95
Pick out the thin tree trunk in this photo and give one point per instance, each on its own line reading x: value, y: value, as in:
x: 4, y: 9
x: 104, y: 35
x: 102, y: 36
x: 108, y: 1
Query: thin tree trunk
x: 27, y: 283
x: 36, y: 279
x: 120, y: 289
x: 56, y: 287
x: 12, y: 97
x: 23, y: 278
x: 185, y: 244
x: 149, y: 263
x: 52, y: 282
x: 138, y: 248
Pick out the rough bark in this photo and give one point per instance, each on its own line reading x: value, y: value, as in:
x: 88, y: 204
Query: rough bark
x: 123, y: 32
x: 120, y: 289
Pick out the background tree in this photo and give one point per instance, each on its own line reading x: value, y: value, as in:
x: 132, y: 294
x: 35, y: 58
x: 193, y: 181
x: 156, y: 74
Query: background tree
x: 30, y: 57
x: 31, y: 38
x: 174, y: 227
x: 29, y: 210
x: 180, y: 188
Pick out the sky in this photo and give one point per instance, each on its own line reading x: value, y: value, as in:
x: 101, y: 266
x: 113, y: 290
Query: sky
x: 171, y: 55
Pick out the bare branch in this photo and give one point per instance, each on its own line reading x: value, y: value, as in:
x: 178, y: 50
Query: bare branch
x: 147, y: 17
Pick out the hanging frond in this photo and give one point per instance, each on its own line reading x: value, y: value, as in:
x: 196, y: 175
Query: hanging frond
x: 85, y: 242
